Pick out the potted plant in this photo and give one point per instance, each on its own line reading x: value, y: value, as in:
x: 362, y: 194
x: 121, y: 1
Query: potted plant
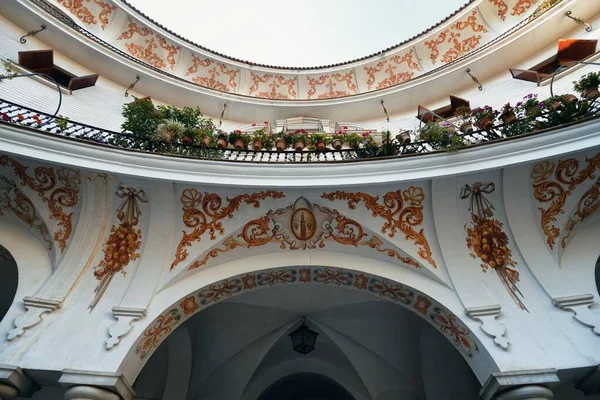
x: 262, y: 139
x: 353, y: 139
x: 587, y: 85
x: 299, y: 139
x: 319, y: 141
x: 338, y: 139
x: 239, y: 140
x: 508, y: 115
x: 202, y: 137
x: 441, y: 136
x: 168, y: 131
x: 403, y: 137
x: 464, y: 114
x: 531, y: 106
x: 282, y: 141
x: 221, y: 140
x: 484, y: 117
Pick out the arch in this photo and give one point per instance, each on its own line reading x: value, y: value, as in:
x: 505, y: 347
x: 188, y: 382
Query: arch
x: 597, y: 275
x: 305, y: 385
x: 9, y: 280
x: 416, y: 301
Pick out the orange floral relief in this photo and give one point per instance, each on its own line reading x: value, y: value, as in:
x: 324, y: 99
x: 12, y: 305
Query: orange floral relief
x: 393, y: 78
x: 331, y: 82
x: 274, y: 82
x: 522, y: 6
x: 502, y: 8
x: 147, y: 52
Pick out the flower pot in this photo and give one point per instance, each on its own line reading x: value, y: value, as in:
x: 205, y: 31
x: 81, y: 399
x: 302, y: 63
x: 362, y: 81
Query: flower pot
x: 281, y: 145
x: 222, y: 143
x: 187, y: 140
x: 592, y: 93
x: 555, y: 105
x: 466, y: 127
x: 258, y: 145
x: 484, y: 123
x: 509, y: 118
x: 299, y: 145
x: 533, y: 112
x: 336, y: 144
x: 205, y: 142
x: 569, y: 98
x: 403, y: 137
x: 355, y: 145
x: 536, y: 126
x: 321, y: 146
x: 239, y: 144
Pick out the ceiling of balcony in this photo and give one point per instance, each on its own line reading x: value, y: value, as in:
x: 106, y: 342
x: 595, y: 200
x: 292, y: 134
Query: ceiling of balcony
x: 298, y: 33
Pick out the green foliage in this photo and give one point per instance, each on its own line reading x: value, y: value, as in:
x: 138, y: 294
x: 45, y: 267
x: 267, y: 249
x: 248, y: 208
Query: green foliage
x: 237, y: 135
x: 62, y: 123
x: 441, y: 136
x: 318, y: 137
x: 586, y: 83
x: 300, y: 135
x: 266, y: 137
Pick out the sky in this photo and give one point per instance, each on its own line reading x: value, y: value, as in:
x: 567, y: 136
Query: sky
x: 298, y: 33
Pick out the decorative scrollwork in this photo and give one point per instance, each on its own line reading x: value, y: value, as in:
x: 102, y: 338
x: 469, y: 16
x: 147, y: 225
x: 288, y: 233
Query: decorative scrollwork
x: 402, y: 211
x: 208, y: 217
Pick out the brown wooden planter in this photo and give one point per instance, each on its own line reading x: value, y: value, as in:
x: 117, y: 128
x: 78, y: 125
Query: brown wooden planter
x: 187, y: 140
x: 466, y: 127
x: 258, y: 145
x: 239, y: 144
x: 281, y: 145
x: 299, y: 145
x: 222, y: 143
x: 509, y: 118
x: 336, y: 144
x: 484, y: 123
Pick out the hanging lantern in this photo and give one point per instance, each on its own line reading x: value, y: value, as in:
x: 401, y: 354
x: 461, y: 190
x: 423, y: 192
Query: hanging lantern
x: 303, y: 338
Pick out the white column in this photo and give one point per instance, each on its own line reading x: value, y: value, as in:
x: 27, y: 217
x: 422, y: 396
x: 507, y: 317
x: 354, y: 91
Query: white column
x: 8, y: 392
x: 90, y: 393
x: 532, y: 392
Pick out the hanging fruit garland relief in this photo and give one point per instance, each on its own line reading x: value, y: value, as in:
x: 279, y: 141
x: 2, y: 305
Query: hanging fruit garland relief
x: 487, y: 240
x: 124, y: 241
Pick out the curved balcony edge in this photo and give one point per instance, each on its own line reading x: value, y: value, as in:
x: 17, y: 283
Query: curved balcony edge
x: 33, y: 144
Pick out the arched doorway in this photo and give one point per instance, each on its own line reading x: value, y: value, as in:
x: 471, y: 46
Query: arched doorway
x: 305, y: 386
x: 9, y: 280
x: 367, y: 344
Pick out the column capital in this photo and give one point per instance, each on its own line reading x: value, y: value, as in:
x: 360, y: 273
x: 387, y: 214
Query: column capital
x: 90, y: 393
x: 13, y: 376
x: 531, y: 392
x: 8, y: 392
x: 108, y: 382
x: 501, y: 381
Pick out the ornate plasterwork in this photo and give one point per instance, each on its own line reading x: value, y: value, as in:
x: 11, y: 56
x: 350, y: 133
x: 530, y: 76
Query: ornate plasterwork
x: 389, y: 66
x: 142, y: 43
x: 421, y: 304
x: 59, y: 189
x: 453, y: 35
x: 302, y: 226
x: 124, y: 242
x: 522, y: 6
x: 213, y: 75
x: 326, y: 86
x: 85, y: 15
x: 552, y: 186
x: 487, y: 240
x: 268, y: 86
x: 203, y: 213
x: 402, y: 210
x: 502, y: 8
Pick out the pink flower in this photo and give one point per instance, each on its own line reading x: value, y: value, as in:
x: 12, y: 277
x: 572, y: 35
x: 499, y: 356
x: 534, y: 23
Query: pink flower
x: 266, y: 122
x: 344, y: 127
x: 253, y: 124
x: 21, y: 117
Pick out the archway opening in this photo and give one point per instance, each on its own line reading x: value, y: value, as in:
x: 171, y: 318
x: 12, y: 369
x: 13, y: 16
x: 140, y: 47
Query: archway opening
x: 597, y: 273
x: 368, y: 348
x: 305, y: 386
x: 9, y: 280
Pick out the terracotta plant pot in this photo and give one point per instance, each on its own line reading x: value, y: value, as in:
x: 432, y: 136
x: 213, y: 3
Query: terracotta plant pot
x: 592, y: 93
x: 258, y: 145
x: 221, y: 143
x: 509, y: 118
x: 239, y: 144
x: 336, y: 144
x: 536, y: 126
x: 569, y: 98
x: 484, y: 123
x: 187, y: 140
x: 355, y: 145
x: 321, y: 146
x: 466, y: 127
x: 299, y: 145
x: 205, y: 142
x: 281, y: 145
x: 403, y: 137
x: 555, y: 105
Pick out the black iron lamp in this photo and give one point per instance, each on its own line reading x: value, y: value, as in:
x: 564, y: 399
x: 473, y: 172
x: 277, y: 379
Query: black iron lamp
x: 304, y: 338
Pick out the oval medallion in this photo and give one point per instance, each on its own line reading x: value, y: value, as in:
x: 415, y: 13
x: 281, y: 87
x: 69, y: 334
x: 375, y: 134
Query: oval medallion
x: 303, y: 224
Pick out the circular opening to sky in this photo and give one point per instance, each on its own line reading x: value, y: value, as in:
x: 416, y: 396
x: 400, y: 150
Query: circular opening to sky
x: 298, y: 33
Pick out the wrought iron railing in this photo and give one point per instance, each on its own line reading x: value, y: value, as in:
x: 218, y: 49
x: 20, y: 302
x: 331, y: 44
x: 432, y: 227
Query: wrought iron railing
x: 11, y: 113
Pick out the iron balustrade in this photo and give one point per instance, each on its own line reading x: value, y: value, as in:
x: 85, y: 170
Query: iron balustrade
x: 11, y: 113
